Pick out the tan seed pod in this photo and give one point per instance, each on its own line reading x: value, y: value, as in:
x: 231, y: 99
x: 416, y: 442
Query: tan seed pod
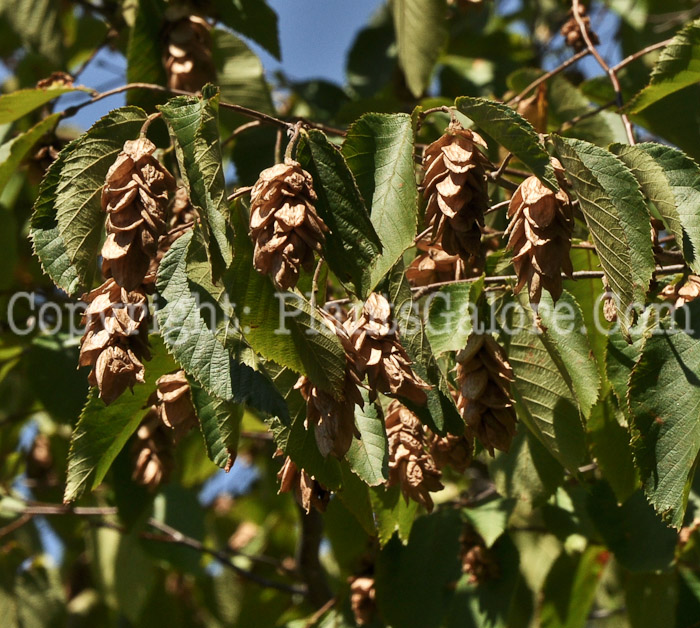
x: 307, y: 491
x: 571, y: 31
x: 411, y: 467
x: 378, y: 353
x: 539, y: 234
x: 433, y: 264
x: 284, y: 224
x: 135, y: 197
x: 188, y: 57
x: 484, y: 377
x: 456, y: 191
x: 363, y: 599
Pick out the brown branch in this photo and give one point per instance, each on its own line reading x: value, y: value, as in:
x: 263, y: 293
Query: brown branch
x: 310, y: 567
x: 169, y: 535
x: 545, y: 77
x: 612, y: 75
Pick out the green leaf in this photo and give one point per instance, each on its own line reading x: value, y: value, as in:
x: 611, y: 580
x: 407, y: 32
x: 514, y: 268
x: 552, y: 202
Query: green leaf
x: 392, y: 513
x: 545, y: 402
x: 47, y: 242
x: 570, y: 588
x: 440, y: 413
x: 193, y: 122
x: 527, y: 472
x: 220, y: 423
x: 379, y: 152
x: 13, y: 152
x: 450, y: 315
x: 21, y: 102
x: 567, y: 341
x: 68, y: 220
x: 609, y: 443
x: 239, y: 73
x: 671, y: 181
x: 414, y: 582
x: 352, y: 245
x: 368, y: 455
x: 678, y: 67
x: 490, y: 519
x: 421, y: 33
x: 102, y: 430
x: 252, y: 18
x: 144, y: 55
x: 633, y: 531
x: 512, y: 132
x: 298, y: 442
x: 664, y: 397
x: 212, y: 351
x: 652, y: 599
x: 354, y: 493
x: 618, y: 219
x: 282, y: 326
x: 38, y: 23
x: 622, y: 355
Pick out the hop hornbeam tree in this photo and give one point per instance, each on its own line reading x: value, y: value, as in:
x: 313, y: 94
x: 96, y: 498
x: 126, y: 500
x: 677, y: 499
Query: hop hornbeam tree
x: 438, y: 325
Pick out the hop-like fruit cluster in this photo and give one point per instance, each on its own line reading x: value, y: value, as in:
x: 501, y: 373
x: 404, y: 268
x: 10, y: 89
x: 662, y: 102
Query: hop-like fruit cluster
x: 135, y: 197
x: 456, y: 191
x: 378, y: 353
x: 477, y: 560
x: 433, y: 265
x: 115, y: 340
x: 170, y: 416
x: 541, y: 223
x: 682, y: 292
x: 188, y: 54
x: 307, y: 491
x: 284, y: 224
x: 484, y: 377
x: 411, y: 467
x: 571, y: 30
x: 363, y: 599
x: 452, y: 451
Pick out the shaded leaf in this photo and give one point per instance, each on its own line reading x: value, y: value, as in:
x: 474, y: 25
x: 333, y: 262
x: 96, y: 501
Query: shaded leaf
x: 13, y: 152
x: 193, y: 122
x: 512, y: 132
x: 671, y: 181
x: 379, y: 152
x: 68, y: 220
x: 618, y: 219
x: 220, y: 423
x: 352, y: 245
x: 102, y: 431
x: 368, y: 455
x: 212, y: 351
x: 421, y: 32
x: 676, y: 68
x: 254, y: 19
x: 392, y: 513
x: 664, y: 397
x: 451, y: 311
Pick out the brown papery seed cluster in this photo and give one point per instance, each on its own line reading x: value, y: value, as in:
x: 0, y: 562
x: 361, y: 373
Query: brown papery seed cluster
x: 452, y: 451
x: 284, y: 224
x: 433, y: 264
x: 484, y: 378
x: 169, y: 418
x: 571, y: 31
x: 541, y: 223
x: 188, y: 55
x: 411, y: 467
x: 307, y: 491
x: 378, y: 352
x: 456, y: 191
x: 682, y: 292
x: 363, y: 599
x: 135, y: 198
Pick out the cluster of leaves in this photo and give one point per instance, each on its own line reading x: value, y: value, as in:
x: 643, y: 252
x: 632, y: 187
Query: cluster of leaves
x: 580, y: 519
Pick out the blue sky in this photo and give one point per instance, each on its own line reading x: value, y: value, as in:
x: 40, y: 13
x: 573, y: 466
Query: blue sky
x: 315, y: 37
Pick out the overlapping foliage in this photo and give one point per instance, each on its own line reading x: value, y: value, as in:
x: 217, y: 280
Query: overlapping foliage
x: 591, y: 512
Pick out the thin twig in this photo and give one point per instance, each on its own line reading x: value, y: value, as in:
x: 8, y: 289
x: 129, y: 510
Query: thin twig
x: 16, y: 524
x: 545, y: 77
x: 588, y: 114
x: 640, y: 53
x: 291, y: 146
x: 253, y: 124
x: 242, y: 191
x: 314, y: 283
x: 496, y: 207
x: 612, y: 75
x: 320, y: 612
x: 496, y: 175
